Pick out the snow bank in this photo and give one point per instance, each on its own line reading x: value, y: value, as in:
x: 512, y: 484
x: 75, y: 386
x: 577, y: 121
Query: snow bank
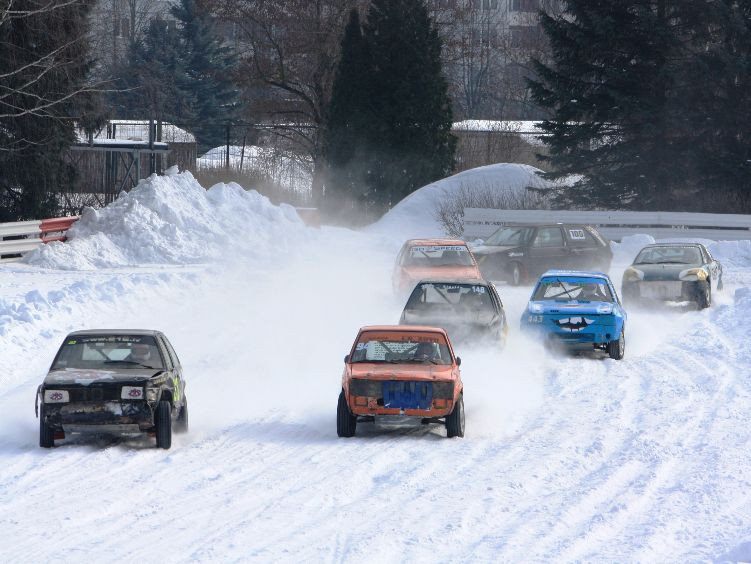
x: 174, y: 220
x: 414, y: 216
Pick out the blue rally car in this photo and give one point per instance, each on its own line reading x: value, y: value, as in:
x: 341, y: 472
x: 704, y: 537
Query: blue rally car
x: 579, y: 310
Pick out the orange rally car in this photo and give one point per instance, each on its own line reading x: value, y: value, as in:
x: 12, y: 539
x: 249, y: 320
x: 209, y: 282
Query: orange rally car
x: 420, y: 259
x: 401, y: 370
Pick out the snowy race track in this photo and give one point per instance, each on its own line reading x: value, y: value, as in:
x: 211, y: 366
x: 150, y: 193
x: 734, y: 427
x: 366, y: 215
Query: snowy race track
x: 565, y: 458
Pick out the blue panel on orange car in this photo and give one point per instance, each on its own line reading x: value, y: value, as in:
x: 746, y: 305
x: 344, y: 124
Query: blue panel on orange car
x: 399, y: 394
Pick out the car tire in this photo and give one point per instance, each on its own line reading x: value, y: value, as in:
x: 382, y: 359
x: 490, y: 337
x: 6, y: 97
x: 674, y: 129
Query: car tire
x: 181, y: 424
x: 516, y: 274
x: 704, y: 295
x: 163, y: 421
x: 46, y: 434
x: 455, y: 419
x: 346, y: 422
x: 617, y: 348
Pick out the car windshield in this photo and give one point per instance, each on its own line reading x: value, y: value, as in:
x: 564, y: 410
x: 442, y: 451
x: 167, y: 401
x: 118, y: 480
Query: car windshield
x: 402, y: 348
x: 566, y: 288
x: 105, y: 352
x: 669, y: 255
x: 458, y: 297
x: 438, y: 255
x: 509, y: 236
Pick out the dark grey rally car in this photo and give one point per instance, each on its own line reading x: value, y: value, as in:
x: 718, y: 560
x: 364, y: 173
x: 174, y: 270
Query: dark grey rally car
x: 470, y: 311
x: 519, y: 253
x: 672, y: 272
x: 113, y: 382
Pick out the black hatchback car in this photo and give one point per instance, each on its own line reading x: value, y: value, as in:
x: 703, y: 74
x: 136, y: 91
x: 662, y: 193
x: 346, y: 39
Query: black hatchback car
x: 517, y: 253
x: 121, y: 382
x: 470, y: 311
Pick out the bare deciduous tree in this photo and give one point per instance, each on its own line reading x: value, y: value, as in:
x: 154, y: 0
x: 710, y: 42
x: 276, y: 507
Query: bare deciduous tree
x: 289, y: 57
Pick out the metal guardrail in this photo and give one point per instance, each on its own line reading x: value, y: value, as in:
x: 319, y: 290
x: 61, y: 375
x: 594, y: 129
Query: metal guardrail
x: 482, y: 222
x: 17, y: 239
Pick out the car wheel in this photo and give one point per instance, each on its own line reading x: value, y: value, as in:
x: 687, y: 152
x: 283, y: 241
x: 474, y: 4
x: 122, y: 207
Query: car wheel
x: 181, y: 425
x: 617, y: 348
x: 455, y: 419
x: 46, y: 435
x: 346, y: 422
x: 704, y: 295
x: 517, y: 274
x: 163, y: 422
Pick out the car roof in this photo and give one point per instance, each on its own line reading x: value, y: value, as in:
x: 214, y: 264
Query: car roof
x: 473, y: 280
x: 435, y: 242
x: 576, y: 273
x: 404, y: 328
x: 150, y: 332
x: 677, y: 244
x: 551, y: 224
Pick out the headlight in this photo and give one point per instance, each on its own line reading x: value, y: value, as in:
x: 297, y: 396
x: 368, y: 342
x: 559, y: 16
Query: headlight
x: 632, y: 274
x: 152, y: 394
x: 56, y: 396
x: 131, y: 393
x: 605, y: 308
x: 535, y: 308
x: 693, y: 274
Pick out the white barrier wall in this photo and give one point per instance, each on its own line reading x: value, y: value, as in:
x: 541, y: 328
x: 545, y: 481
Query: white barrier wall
x: 482, y: 222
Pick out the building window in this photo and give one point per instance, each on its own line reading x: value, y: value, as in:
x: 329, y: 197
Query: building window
x: 525, y: 5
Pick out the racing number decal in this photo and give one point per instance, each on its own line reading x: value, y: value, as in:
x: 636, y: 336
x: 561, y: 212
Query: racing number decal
x: 176, y: 393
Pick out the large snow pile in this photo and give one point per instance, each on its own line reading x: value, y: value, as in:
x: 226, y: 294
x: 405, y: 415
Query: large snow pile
x: 174, y: 220
x: 414, y: 216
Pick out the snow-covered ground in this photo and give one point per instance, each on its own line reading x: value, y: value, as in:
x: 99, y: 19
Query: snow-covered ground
x: 565, y: 458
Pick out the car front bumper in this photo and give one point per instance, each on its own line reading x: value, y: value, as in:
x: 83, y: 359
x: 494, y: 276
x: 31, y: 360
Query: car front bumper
x: 116, y: 417
x: 662, y: 290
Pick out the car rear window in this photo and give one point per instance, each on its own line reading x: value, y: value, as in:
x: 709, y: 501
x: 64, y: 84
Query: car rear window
x: 453, y: 296
x: 402, y: 348
x: 438, y: 255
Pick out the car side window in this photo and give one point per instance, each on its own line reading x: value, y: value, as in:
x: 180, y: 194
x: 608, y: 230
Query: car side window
x: 171, y: 351
x: 169, y: 361
x: 579, y: 237
x: 548, y: 237
x: 706, y: 255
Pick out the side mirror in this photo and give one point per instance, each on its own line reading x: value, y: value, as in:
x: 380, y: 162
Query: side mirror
x: 346, y: 359
x: 458, y: 361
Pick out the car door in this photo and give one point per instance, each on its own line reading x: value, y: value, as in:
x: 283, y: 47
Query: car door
x: 178, y: 384
x: 583, y: 248
x: 548, y: 250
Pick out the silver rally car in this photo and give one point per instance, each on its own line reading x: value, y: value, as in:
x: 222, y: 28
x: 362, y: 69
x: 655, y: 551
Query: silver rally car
x: 120, y: 382
x: 672, y: 272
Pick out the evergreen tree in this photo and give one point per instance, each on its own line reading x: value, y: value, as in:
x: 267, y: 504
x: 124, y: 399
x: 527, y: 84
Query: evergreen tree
x: 181, y: 75
x: 390, y: 117
x: 350, y: 112
x: 410, y: 125
x: 211, y: 97
x: 44, y: 62
x: 612, y: 90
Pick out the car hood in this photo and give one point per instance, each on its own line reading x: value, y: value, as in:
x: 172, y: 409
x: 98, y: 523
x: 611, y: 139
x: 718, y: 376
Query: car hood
x: 418, y: 273
x: 401, y: 371
x: 86, y: 377
x: 552, y: 308
x: 492, y: 249
x: 663, y: 271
